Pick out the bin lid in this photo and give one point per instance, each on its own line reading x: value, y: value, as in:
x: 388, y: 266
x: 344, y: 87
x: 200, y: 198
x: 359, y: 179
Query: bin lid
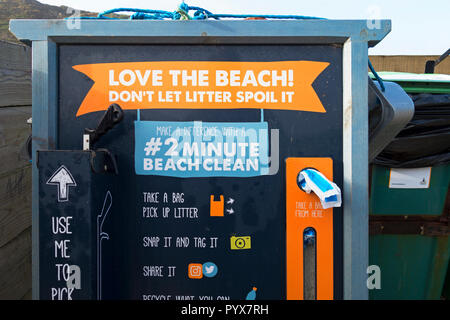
x: 418, y: 83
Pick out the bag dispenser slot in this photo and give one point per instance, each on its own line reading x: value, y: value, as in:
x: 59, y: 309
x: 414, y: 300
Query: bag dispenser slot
x: 309, y: 264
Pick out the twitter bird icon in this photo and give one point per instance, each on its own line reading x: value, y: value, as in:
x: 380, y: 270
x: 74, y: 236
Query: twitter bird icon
x: 209, y: 269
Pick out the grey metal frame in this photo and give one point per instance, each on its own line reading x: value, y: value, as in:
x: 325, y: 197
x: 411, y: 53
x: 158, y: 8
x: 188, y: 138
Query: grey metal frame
x: 355, y: 36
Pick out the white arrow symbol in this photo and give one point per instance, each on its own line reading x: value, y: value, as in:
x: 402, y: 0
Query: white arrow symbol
x: 63, y: 179
x: 230, y: 211
x: 230, y: 201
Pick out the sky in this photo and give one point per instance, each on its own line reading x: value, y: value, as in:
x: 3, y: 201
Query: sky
x: 419, y: 27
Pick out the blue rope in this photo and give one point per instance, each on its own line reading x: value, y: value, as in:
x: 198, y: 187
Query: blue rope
x: 380, y: 81
x: 182, y: 13
x: 265, y: 16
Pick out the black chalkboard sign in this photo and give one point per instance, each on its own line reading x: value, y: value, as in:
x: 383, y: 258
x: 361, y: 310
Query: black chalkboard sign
x: 188, y: 222
x: 75, y: 201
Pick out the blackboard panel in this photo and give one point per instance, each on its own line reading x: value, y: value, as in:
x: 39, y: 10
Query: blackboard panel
x: 254, y: 207
x: 74, y: 202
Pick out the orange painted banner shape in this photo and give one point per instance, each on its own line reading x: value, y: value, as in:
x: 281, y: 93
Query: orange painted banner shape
x: 281, y: 85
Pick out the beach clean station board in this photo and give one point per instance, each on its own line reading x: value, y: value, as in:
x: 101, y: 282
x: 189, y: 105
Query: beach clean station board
x: 167, y: 158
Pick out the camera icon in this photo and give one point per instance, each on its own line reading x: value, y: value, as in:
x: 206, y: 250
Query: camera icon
x: 240, y: 243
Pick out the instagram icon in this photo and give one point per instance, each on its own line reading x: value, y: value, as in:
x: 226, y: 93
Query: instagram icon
x: 195, y: 271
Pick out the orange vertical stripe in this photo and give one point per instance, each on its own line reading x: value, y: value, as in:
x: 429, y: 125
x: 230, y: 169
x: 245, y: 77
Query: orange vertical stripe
x: 302, y: 211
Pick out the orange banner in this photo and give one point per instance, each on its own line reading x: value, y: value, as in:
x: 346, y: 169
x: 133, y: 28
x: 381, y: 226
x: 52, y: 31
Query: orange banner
x: 282, y: 85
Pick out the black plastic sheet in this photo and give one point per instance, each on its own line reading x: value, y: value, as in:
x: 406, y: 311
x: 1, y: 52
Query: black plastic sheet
x: 425, y: 141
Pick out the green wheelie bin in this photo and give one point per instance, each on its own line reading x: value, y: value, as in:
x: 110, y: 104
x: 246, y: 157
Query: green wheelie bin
x: 410, y: 199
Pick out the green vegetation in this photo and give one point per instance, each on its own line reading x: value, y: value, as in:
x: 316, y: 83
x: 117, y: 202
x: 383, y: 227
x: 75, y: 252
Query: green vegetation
x: 30, y: 9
